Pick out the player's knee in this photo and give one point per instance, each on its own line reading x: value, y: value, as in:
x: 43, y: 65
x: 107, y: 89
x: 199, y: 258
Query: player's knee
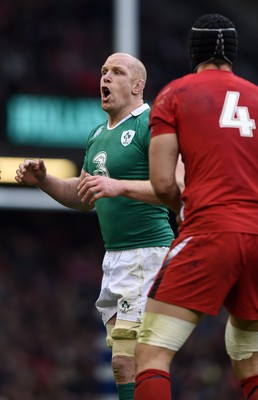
x: 123, y: 368
x: 124, y: 336
x: 147, y: 357
x: 240, y: 344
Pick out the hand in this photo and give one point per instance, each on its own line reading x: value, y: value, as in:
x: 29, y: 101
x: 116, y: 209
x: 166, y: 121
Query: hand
x: 31, y: 172
x: 94, y: 187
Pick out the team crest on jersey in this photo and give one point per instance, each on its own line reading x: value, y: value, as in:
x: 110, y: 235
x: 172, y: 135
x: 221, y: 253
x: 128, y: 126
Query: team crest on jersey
x: 125, y: 306
x: 127, y: 137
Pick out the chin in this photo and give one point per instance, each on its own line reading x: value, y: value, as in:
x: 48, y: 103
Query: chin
x: 105, y: 106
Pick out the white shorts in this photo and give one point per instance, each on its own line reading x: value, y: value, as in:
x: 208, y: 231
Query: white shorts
x: 127, y: 277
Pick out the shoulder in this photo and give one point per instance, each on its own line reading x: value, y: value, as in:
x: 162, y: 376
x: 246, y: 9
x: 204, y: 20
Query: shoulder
x: 141, y: 117
x: 173, y: 87
x: 97, y: 131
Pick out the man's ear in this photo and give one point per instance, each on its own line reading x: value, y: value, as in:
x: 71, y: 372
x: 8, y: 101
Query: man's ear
x: 138, y: 86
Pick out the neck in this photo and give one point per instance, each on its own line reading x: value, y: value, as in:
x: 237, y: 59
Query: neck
x: 222, y: 67
x: 115, y: 117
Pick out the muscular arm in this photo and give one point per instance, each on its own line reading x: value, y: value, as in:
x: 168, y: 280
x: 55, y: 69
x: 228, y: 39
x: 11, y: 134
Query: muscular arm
x: 163, y: 157
x: 92, y: 188
x: 34, y: 173
x: 64, y: 191
x: 139, y: 190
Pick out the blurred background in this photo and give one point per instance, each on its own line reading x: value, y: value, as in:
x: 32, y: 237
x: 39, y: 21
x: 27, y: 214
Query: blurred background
x: 52, y: 342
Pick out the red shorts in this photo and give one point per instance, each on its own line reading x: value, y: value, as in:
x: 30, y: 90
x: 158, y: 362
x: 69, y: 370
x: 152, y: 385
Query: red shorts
x: 203, y: 272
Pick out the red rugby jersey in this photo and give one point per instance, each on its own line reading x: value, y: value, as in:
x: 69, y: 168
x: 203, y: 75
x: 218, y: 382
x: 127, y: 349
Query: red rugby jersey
x: 215, y: 116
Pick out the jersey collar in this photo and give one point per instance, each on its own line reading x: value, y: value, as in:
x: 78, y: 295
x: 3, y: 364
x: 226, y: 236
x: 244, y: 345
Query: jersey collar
x: 134, y: 113
x: 140, y: 110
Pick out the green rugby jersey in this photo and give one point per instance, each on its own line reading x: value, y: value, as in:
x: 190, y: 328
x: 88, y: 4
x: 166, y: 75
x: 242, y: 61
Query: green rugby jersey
x: 122, y: 153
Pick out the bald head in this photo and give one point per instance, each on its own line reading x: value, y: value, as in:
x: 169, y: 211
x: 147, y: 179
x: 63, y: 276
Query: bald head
x: 137, y: 68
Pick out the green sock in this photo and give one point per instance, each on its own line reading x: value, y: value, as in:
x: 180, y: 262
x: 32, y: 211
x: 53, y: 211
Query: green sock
x: 126, y: 391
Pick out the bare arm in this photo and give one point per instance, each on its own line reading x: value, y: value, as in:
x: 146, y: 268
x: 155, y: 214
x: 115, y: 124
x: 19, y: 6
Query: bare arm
x: 92, y: 188
x: 180, y: 173
x: 163, y: 157
x: 34, y: 173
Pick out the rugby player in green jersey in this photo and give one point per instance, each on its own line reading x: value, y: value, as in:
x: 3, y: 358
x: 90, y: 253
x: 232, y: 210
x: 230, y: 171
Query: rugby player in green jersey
x: 135, y: 226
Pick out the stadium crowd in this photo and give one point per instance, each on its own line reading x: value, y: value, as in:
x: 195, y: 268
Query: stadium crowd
x: 50, y: 277
x: 57, y: 46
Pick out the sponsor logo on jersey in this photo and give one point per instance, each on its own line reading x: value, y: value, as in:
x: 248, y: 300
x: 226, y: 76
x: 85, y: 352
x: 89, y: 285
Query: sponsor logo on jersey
x: 98, y: 131
x: 127, y: 137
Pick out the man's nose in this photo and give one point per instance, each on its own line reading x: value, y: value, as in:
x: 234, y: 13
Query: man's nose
x: 107, y: 77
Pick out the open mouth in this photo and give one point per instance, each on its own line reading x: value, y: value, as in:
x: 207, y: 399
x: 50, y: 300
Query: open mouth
x: 105, y: 92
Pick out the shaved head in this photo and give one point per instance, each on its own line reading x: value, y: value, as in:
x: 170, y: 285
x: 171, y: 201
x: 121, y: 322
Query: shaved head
x: 135, y: 65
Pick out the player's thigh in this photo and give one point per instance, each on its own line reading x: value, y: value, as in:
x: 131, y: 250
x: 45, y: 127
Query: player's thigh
x: 199, y: 272
x: 242, y: 301
x: 132, y: 280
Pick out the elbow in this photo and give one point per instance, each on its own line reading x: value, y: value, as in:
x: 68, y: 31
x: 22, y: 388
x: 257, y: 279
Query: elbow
x: 168, y: 193
x: 162, y: 189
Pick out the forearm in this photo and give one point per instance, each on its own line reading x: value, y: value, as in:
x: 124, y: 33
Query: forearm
x: 171, y: 197
x: 139, y: 190
x: 64, y: 191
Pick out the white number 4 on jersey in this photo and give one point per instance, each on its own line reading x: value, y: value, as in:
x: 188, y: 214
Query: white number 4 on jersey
x: 234, y: 116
